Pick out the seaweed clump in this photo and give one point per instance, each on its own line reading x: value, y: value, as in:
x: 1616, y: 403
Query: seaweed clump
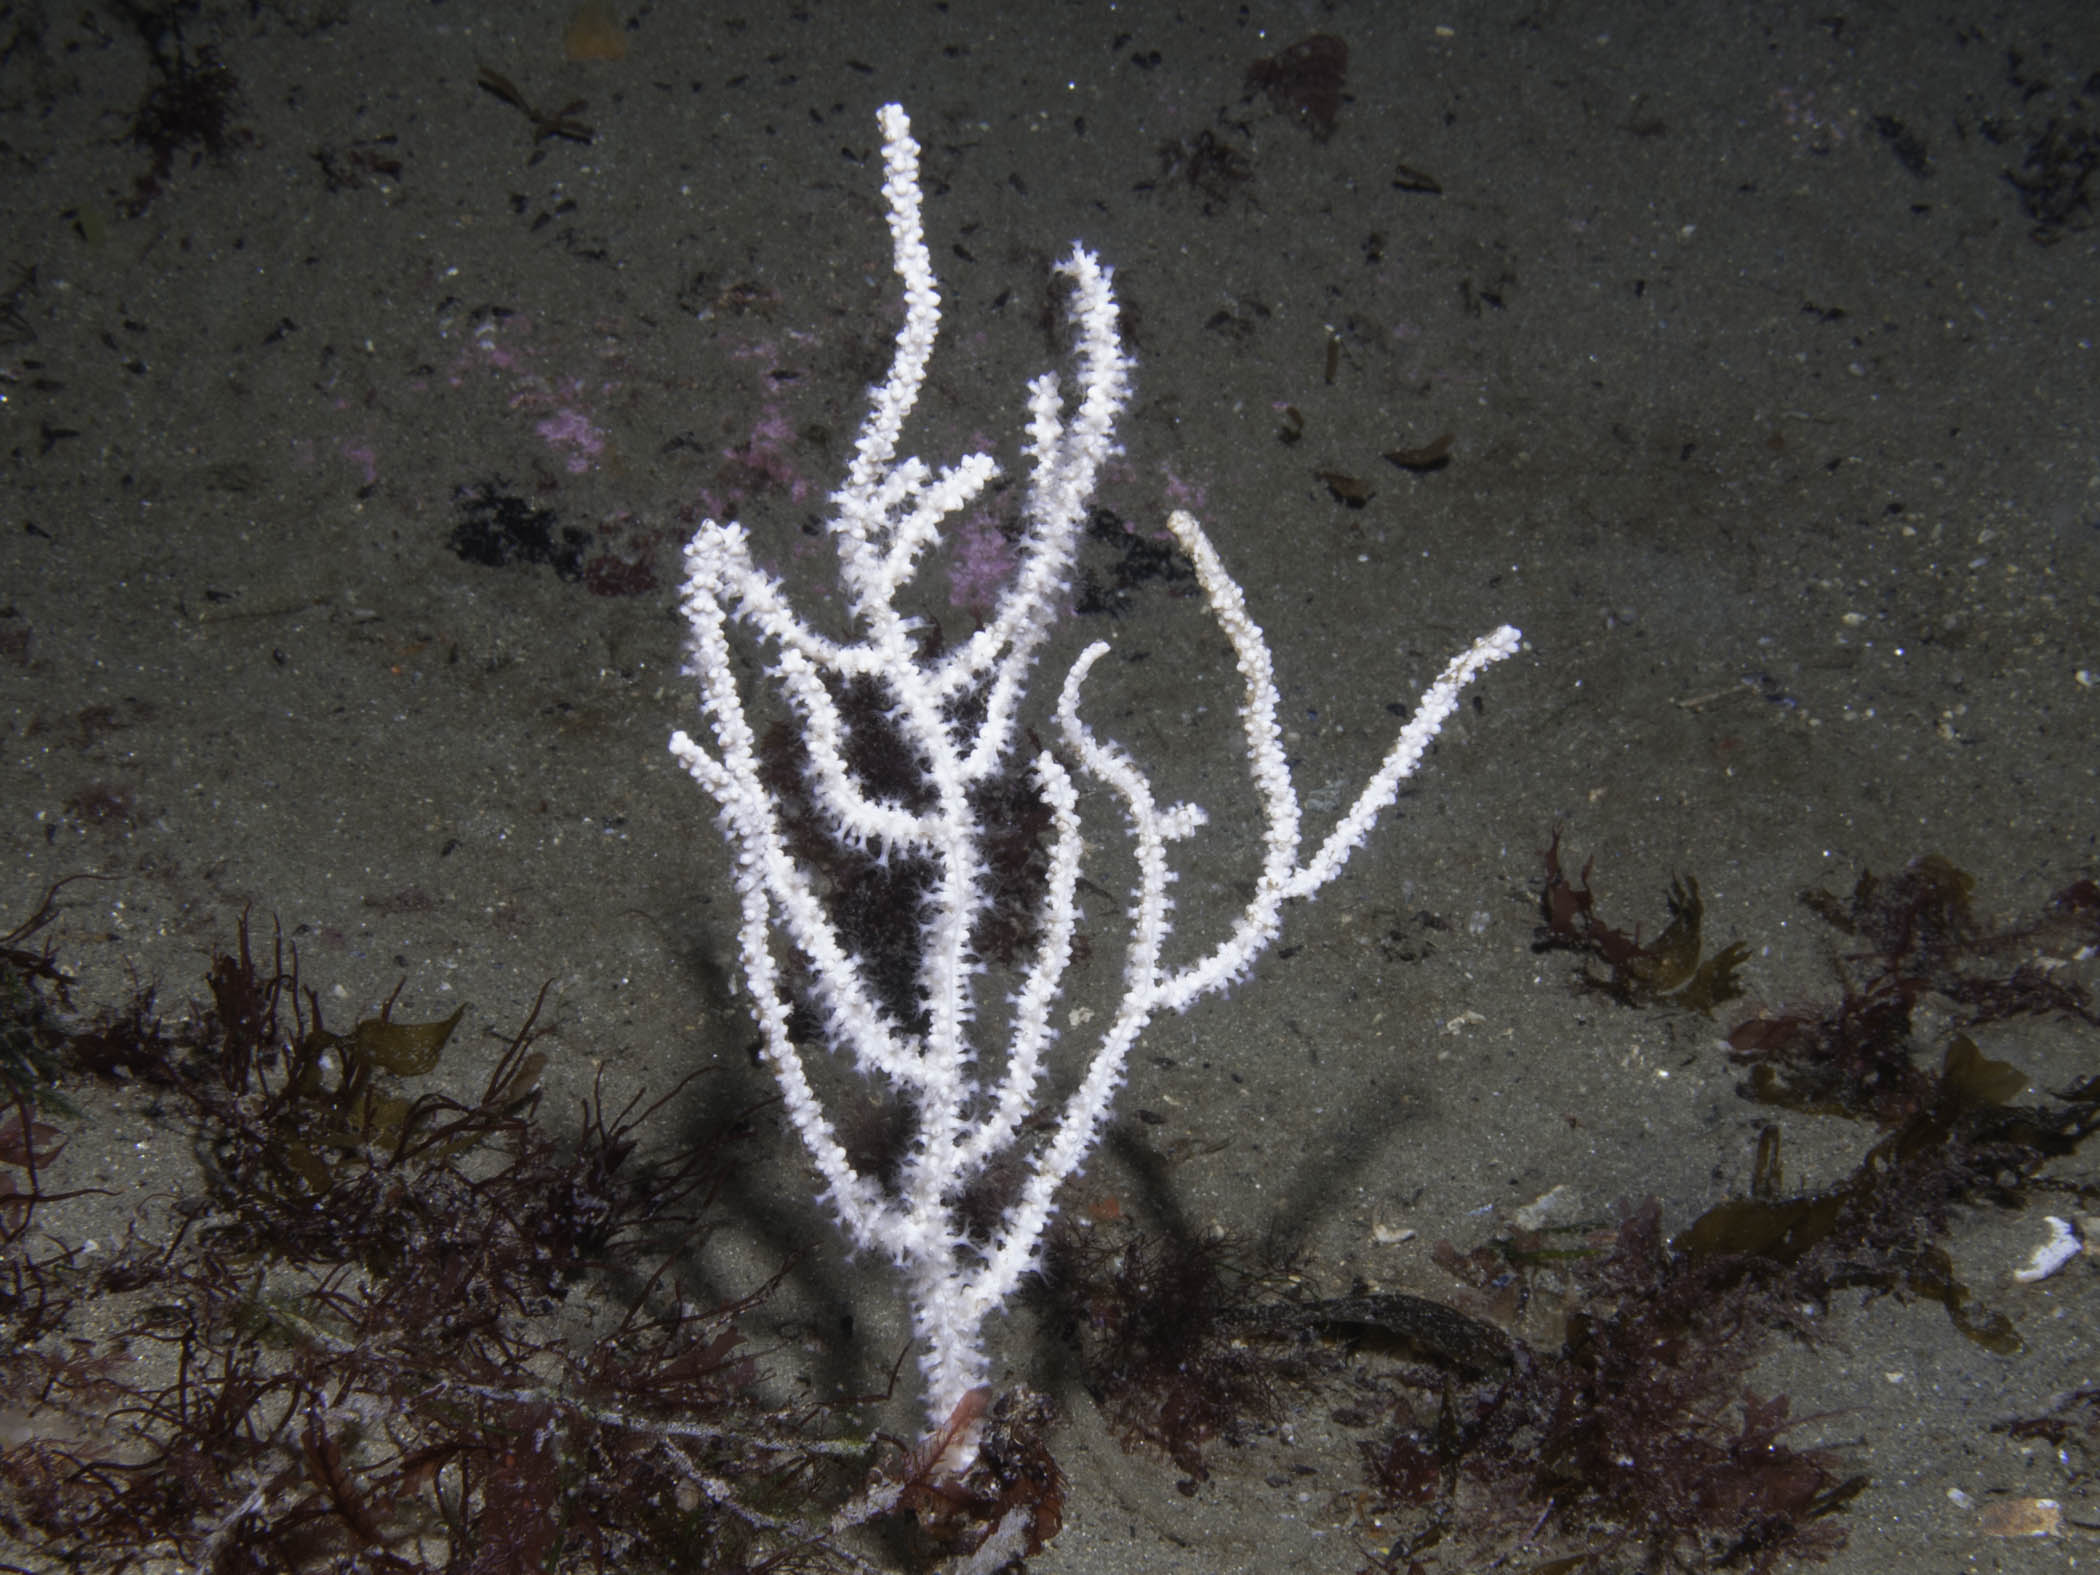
x: 1633, y: 1442
x: 33, y: 995
x: 394, y: 1331
x: 1666, y: 971
x: 1159, y: 1322
x: 1878, y: 1229
x: 190, y: 106
x: 1953, y: 1134
x: 1916, y: 938
x: 1636, y: 1444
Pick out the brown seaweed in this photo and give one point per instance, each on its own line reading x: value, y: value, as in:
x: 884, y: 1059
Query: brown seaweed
x: 1158, y: 1320
x: 351, y: 1350
x: 1638, y: 1443
x: 1915, y: 938
x: 1666, y: 971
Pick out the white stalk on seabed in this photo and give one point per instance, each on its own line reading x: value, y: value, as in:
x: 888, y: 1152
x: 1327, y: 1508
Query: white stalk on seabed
x: 957, y: 713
